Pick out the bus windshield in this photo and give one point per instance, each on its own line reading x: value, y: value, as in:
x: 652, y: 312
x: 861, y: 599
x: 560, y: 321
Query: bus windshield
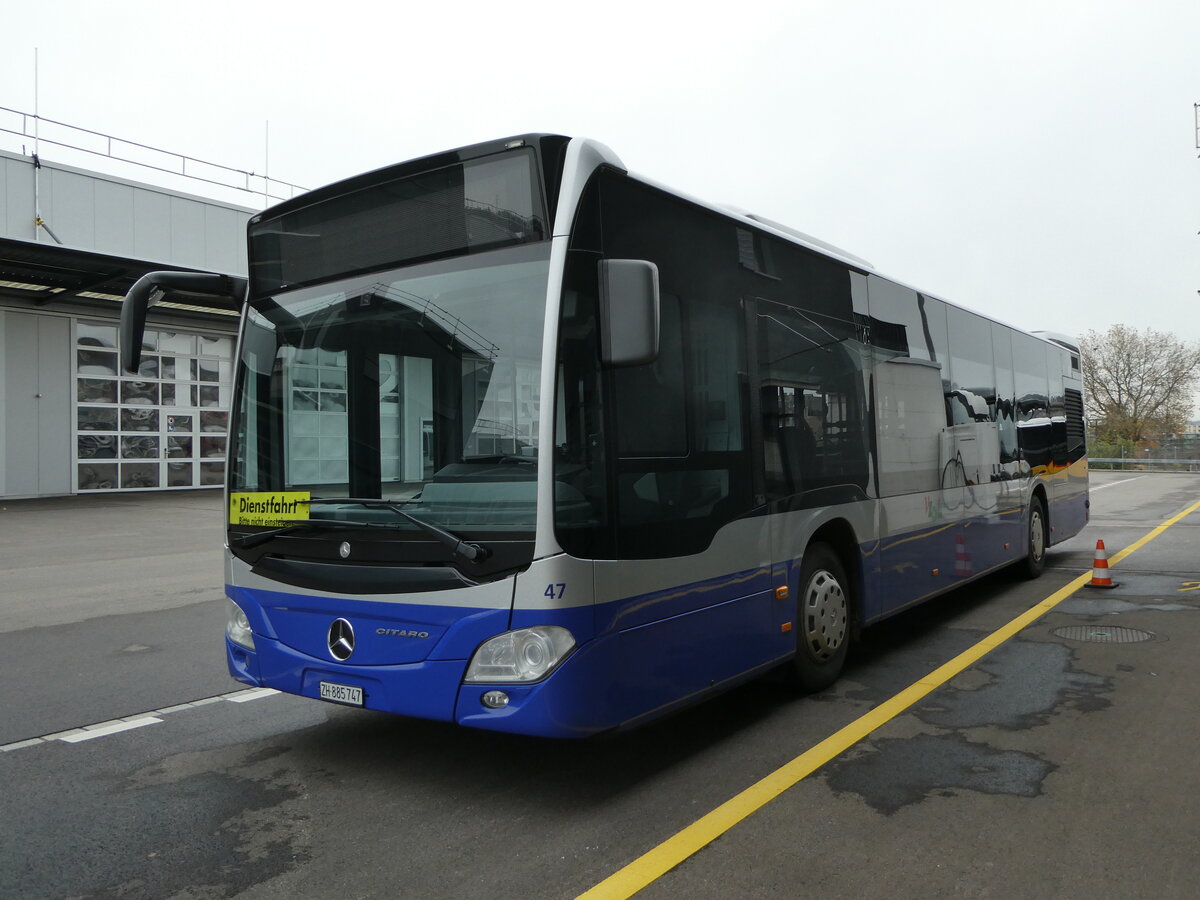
x: 417, y: 385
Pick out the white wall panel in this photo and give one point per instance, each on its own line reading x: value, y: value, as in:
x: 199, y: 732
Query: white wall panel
x: 54, y: 405
x: 70, y: 210
x: 187, y: 231
x: 3, y: 407
x: 16, y: 207
x: 225, y: 239
x: 114, y: 218
x: 151, y: 236
x: 21, y: 372
x: 96, y: 212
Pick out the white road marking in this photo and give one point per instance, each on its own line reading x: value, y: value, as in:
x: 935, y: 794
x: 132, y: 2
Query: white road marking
x: 106, y: 728
x: 252, y: 694
x: 19, y: 744
x: 116, y: 726
x: 1112, y: 483
x: 173, y: 709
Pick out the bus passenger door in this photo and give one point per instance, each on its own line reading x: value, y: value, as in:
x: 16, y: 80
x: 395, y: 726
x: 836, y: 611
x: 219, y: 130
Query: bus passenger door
x: 920, y: 485
x: 813, y: 443
x: 959, y: 450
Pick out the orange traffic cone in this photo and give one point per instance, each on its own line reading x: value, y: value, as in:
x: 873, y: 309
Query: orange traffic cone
x: 1100, y: 576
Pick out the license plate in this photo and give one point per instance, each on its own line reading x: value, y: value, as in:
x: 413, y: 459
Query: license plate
x: 341, y: 693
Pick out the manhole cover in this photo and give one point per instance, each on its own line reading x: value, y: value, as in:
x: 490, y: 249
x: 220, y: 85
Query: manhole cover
x: 1097, y: 635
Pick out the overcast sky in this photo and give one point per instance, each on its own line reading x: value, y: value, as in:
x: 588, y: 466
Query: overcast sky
x: 1035, y: 161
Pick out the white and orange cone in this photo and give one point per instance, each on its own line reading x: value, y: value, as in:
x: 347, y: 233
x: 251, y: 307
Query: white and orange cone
x: 1100, y: 576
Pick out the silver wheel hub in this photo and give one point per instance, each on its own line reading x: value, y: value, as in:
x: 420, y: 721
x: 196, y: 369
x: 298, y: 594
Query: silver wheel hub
x: 1037, y: 535
x: 825, y: 614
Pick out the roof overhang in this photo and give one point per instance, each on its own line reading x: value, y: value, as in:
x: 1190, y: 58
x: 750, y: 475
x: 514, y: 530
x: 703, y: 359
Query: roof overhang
x: 47, y: 275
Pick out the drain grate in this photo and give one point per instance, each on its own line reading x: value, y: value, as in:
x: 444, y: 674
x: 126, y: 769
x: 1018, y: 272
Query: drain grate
x: 1098, y: 635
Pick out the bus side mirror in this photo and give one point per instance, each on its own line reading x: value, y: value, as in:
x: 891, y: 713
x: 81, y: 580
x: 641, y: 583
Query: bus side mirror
x: 628, y: 312
x: 227, y: 290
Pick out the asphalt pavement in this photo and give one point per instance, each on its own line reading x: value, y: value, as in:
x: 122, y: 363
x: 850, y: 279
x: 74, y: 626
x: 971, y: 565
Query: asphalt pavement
x: 1061, y: 763
x: 109, y: 605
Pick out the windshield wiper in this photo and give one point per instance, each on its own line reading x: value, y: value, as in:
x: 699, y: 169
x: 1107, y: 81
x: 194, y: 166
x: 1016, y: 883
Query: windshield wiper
x: 246, y: 541
x: 502, y: 459
x: 468, y: 550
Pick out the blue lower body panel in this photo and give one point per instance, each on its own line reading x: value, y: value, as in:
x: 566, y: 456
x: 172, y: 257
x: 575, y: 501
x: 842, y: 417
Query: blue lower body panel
x: 620, y: 678
x: 426, y: 690
x: 1068, y: 516
x: 629, y: 677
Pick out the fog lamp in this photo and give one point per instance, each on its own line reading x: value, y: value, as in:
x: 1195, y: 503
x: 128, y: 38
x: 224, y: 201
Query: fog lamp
x: 495, y: 699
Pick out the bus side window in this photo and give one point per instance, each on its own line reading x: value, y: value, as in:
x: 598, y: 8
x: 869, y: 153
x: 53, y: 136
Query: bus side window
x: 680, y: 424
x: 650, y: 405
x: 789, y: 444
x: 812, y: 399
x: 1033, y: 404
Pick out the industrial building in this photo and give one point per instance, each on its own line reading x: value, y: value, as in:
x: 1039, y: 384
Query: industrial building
x: 72, y: 241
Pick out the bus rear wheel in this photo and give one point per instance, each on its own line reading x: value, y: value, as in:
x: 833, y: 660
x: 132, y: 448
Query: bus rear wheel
x: 1035, y: 558
x: 822, y: 619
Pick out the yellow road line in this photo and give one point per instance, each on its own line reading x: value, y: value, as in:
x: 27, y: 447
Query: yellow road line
x: 657, y: 862
x: 1142, y: 541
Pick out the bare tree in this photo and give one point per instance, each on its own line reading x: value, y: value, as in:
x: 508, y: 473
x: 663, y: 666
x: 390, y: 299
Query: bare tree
x: 1138, y: 383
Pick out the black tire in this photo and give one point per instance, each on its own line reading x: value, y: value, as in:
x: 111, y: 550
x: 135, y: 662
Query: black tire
x: 823, y: 611
x: 1037, y: 538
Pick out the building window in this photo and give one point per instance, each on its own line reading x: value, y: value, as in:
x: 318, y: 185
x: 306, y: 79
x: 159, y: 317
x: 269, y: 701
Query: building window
x: 166, y: 426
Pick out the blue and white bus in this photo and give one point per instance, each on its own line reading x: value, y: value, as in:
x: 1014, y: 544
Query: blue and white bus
x: 526, y: 442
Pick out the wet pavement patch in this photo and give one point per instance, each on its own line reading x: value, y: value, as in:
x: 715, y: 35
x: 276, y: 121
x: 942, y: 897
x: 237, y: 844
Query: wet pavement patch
x: 207, y: 835
x: 1111, y: 605
x: 1029, y: 682
x: 1018, y: 686
x: 899, y: 772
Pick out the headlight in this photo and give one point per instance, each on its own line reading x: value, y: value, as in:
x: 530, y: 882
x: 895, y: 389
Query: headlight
x: 527, y: 654
x: 237, y: 626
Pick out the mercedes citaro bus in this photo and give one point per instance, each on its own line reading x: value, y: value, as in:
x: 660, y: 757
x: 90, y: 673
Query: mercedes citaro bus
x: 527, y: 442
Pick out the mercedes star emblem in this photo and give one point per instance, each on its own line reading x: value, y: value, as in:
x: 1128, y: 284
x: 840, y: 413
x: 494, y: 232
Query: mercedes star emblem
x: 341, y: 640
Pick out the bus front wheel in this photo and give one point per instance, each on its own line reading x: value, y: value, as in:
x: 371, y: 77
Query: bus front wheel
x: 822, y: 619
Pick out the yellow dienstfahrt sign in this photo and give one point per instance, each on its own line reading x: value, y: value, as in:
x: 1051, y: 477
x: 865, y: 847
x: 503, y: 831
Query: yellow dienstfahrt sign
x: 268, y: 508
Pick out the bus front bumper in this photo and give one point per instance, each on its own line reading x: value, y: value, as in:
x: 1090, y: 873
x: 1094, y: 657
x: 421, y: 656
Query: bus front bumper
x: 434, y: 689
